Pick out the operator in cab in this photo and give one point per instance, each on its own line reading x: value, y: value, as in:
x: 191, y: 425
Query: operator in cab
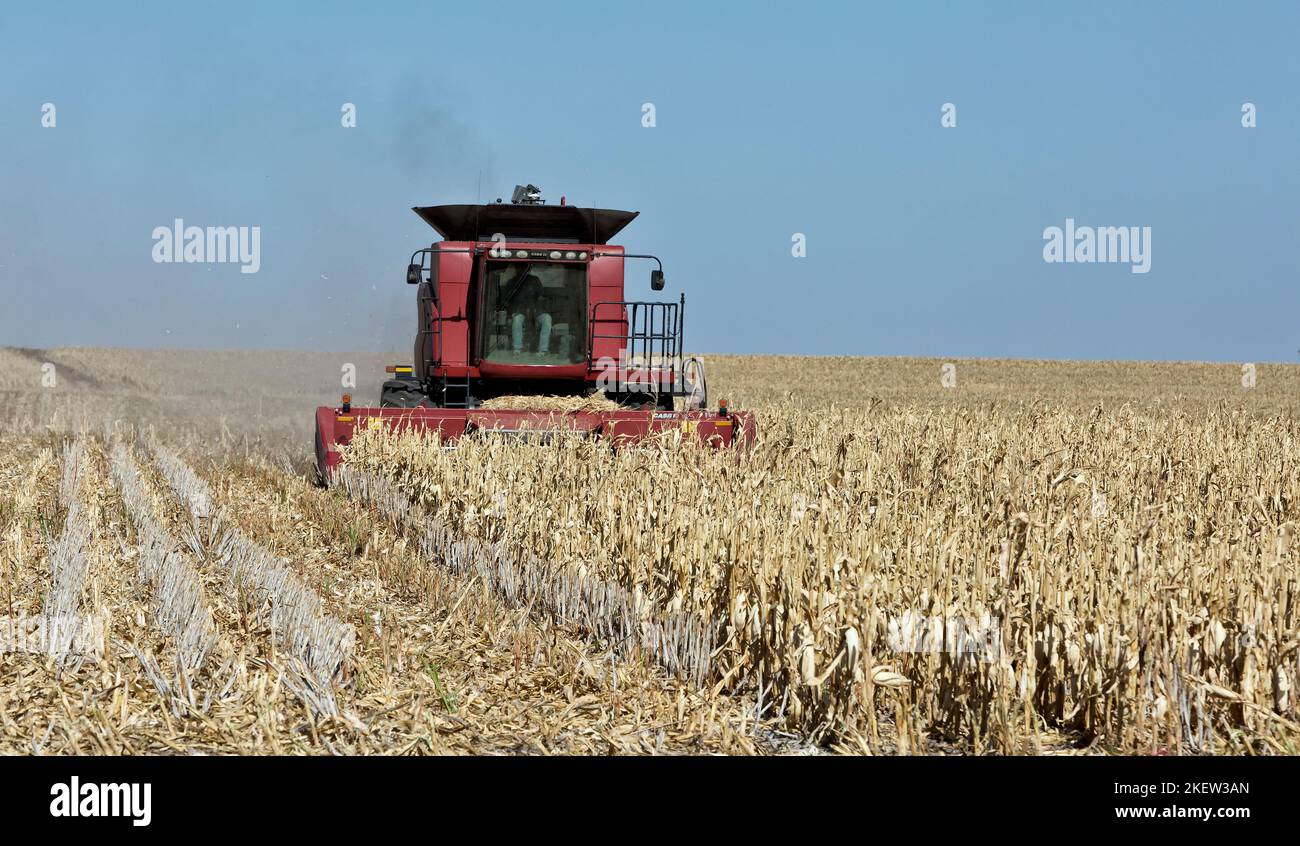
x: 529, y: 306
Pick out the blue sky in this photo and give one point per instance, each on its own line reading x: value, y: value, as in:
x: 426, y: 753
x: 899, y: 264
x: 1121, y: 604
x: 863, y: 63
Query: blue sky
x: 772, y: 119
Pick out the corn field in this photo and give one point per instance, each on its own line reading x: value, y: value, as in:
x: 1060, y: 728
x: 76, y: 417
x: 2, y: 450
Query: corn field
x: 1047, y: 558
x: 1009, y: 581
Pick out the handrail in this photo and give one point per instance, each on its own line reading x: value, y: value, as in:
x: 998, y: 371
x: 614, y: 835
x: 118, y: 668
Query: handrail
x: 654, y: 329
x: 435, y: 312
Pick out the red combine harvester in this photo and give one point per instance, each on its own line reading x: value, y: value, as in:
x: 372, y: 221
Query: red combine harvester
x: 526, y: 300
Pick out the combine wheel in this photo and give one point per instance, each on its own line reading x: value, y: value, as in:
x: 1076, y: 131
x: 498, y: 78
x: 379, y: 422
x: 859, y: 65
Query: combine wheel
x: 399, y: 393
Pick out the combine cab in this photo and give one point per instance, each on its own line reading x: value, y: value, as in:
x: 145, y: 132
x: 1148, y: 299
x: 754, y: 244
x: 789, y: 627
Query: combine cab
x: 527, y: 300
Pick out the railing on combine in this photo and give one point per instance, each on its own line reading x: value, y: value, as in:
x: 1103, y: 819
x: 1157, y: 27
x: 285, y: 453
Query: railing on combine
x: 650, y: 336
x: 427, y: 304
x: 433, y: 335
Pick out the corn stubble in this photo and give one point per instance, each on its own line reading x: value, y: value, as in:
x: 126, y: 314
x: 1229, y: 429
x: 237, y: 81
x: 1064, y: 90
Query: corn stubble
x: 1131, y: 574
x: 218, y: 646
x: 317, y: 644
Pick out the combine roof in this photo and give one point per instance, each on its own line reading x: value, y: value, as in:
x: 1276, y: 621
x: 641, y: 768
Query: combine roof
x: 526, y: 222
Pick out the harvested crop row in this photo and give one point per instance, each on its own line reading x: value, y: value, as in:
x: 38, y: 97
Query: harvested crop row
x: 94, y: 698
x: 318, y: 643
x: 74, y: 457
x: 131, y: 699
x: 181, y: 608
x: 443, y: 651
x: 1001, y: 580
x: 64, y: 624
x: 601, y: 608
x: 30, y: 473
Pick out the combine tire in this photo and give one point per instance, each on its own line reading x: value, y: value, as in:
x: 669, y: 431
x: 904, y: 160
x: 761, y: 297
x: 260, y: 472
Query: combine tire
x: 400, y: 394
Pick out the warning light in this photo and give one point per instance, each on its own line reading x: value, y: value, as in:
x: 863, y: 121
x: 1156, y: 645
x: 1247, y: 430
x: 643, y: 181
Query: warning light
x: 347, y: 403
x: 722, y: 407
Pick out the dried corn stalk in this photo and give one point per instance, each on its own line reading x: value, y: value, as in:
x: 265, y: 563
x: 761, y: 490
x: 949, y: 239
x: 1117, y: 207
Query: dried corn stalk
x: 980, y: 577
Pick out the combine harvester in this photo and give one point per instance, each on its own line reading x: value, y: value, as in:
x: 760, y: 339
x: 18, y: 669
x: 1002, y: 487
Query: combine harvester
x: 524, y: 301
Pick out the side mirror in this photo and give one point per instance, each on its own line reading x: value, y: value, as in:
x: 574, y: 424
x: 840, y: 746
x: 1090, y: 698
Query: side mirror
x: 413, y: 274
x: 656, y: 280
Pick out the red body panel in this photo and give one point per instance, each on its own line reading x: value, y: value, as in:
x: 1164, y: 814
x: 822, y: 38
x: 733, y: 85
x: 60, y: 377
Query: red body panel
x: 452, y: 315
x: 334, y: 427
x: 605, y: 285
